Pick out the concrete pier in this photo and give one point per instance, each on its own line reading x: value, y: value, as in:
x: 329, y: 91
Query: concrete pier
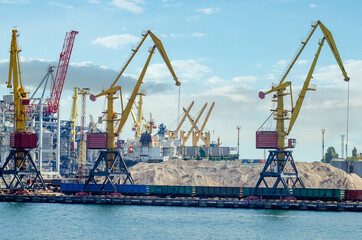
x: 187, y: 202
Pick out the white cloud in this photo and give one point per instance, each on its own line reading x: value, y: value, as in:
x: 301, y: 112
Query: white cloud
x: 68, y: 7
x: 270, y: 76
x: 116, y: 41
x: 301, y: 62
x: 193, y: 18
x: 197, y: 34
x: 186, y: 70
x: 183, y: 35
x: 14, y: 1
x: 129, y: 5
x: 282, y: 62
x: 215, y: 80
x: 177, y: 35
x: 312, y: 5
x: 245, y: 79
x: 208, y: 10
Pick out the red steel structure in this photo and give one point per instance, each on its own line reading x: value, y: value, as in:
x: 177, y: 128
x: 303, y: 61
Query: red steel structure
x: 61, y: 72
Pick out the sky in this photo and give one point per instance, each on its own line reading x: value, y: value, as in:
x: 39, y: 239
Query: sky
x: 222, y: 51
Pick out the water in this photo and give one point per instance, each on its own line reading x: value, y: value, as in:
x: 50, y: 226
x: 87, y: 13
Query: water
x: 67, y: 221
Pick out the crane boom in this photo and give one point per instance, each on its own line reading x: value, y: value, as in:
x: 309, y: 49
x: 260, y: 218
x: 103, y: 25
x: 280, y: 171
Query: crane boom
x: 61, y: 72
x: 136, y: 89
x: 160, y: 48
x: 206, y: 119
x: 192, y: 127
x: 305, y: 88
x: 174, y: 134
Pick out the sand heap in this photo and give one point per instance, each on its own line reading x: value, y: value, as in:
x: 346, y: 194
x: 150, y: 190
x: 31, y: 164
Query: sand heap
x: 205, y: 173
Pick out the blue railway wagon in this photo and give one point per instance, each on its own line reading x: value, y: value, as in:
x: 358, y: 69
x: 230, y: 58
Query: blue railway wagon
x: 168, y: 190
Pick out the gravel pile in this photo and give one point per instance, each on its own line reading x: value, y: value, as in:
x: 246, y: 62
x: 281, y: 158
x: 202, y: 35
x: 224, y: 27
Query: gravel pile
x: 205, y: 173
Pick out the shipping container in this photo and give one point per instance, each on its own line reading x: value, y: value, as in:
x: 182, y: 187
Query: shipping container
x: 23, y: 140
x: 267, y: 139
x: 96, y: 141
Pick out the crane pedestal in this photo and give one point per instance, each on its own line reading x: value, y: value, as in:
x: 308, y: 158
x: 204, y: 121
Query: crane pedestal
x: 19, y: 171
x: 105, y: 170
x: 279, y: 170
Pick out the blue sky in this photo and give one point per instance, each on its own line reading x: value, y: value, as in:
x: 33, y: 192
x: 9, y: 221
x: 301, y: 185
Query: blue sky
x: 223, y: 51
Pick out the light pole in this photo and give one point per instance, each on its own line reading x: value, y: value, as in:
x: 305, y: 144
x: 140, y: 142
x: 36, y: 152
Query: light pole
x: 342, y: 147
x: 238, y: 128
x: 323, y: 131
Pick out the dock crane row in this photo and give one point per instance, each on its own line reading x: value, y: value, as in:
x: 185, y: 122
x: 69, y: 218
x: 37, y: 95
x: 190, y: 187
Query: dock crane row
x: 19, y: 166
x: 280, y: 159
x: 110, y: 163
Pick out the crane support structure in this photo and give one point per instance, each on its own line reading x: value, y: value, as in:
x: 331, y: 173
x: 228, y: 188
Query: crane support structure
x: 61, y: 72
x: 111, y: 159
x: 19, y: 166
x: 280, y: 160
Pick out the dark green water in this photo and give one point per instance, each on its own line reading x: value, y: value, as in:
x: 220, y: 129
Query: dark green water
x: 67, y: 221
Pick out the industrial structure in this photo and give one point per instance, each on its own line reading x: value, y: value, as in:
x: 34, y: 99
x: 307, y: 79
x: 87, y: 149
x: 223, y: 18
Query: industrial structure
x: 110, y: 164
x: 19, y: 170
x: 280, y: 168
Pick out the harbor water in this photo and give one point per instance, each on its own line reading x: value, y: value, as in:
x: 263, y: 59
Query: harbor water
x: 68, y: 221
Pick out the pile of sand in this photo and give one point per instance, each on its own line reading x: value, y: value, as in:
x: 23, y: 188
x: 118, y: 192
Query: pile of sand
x: 205, y: 173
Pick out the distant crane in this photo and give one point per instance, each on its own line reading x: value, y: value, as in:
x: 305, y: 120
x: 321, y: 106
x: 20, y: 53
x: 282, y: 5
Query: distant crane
x: 61, y: 72
x: 84, y: 92
x: 73, y: 117
x: 279, y: 158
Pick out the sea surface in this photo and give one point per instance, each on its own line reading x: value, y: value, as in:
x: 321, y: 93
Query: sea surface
x: 67, y: 221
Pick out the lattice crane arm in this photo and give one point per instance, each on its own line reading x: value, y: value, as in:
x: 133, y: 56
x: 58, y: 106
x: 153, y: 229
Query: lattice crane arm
x: 160, y: 48
x: 127, y: 110
x: 61, y: 71
x: 305, y: 88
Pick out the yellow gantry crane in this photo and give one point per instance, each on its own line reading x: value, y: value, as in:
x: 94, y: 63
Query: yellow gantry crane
x: 19, y: 166
x: 111, y: 155
x: 276, y: 164
x: 280, y: 114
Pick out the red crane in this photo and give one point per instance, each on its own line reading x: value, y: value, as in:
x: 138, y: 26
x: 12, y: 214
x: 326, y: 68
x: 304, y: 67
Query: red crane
x: 61, y: 72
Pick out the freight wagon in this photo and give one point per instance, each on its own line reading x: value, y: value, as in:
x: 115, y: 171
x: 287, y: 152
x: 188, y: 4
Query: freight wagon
x: 210, y: 192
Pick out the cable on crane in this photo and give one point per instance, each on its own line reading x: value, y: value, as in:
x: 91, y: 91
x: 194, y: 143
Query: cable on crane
x: 347, y: 120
